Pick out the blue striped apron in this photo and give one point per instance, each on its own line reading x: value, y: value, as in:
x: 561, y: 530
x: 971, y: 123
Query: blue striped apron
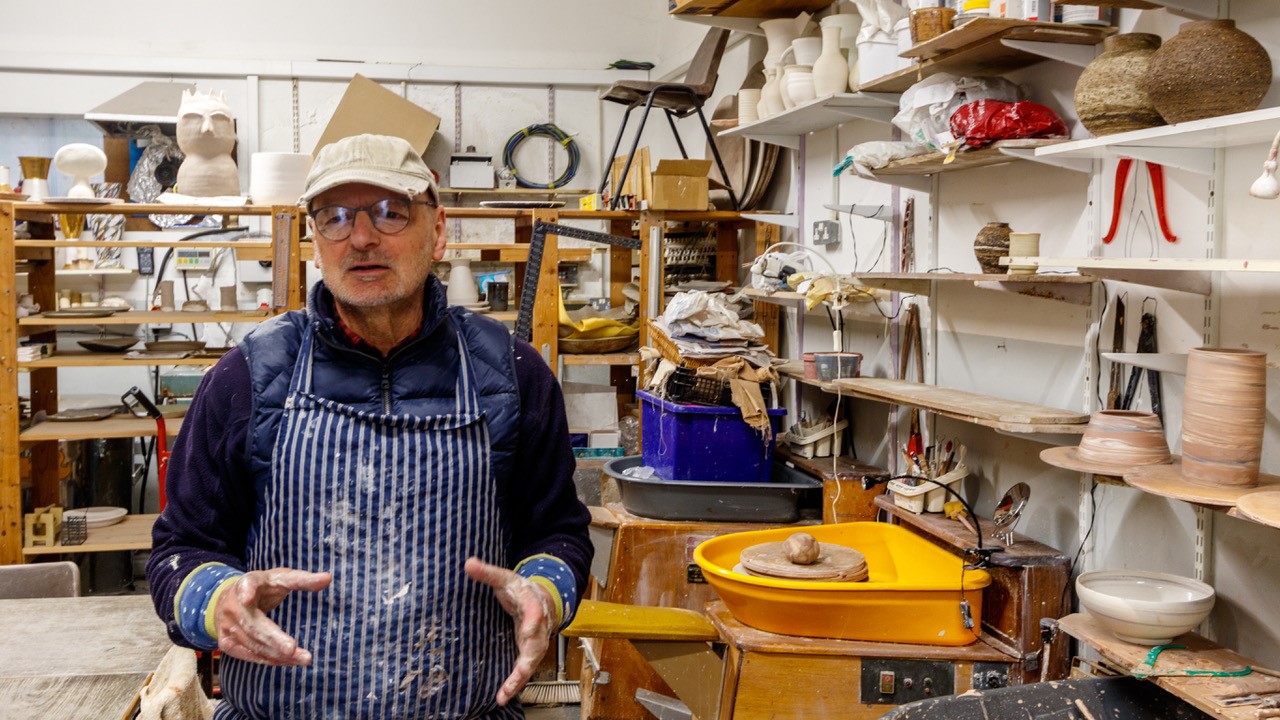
x: 391, y: 505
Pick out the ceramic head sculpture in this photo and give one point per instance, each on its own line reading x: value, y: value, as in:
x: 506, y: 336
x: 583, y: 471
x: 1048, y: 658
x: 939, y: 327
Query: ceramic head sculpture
x: 206, y: 135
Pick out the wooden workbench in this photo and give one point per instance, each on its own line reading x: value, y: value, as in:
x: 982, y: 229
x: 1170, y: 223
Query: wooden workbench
x: 77, y: 658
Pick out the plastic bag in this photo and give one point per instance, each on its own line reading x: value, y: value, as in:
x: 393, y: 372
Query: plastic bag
x: 924, y: 114
x: 986, y: 121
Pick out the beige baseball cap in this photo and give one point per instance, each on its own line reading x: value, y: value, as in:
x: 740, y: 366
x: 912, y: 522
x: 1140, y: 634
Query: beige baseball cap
x: 384, y: 161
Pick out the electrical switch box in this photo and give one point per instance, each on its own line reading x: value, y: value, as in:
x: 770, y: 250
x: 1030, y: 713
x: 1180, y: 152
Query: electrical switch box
x: 198, y: 259
x: 890, y: 681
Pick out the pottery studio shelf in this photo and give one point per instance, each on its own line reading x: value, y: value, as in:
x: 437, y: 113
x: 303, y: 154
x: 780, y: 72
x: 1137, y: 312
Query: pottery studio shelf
x: 1072, y: 288
x: 131, y: 533
x: 1197, y: 654
x: 785, y: 128
x: 116, y: 426
x: 1198, y: 8
x: 863, y: 311
x: 996, y: 413
x: 92, y: 359
x: 912, y: 172
x: 1189, y: 145
x: 977, y: 49
x: 1185, y: 274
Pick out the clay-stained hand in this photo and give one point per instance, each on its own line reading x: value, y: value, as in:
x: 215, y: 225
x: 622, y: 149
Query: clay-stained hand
x: 245, y: 631
x: 530, y: 605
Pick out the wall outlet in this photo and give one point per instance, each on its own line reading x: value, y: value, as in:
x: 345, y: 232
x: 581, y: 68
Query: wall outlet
x: 826, y: 232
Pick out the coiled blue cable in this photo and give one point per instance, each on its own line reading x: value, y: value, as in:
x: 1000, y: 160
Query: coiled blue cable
x: 546, y: 130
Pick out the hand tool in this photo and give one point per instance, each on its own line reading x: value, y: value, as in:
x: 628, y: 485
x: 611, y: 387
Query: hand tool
x: 912, y: 343
x: 141, y: 406
x: 1156, y: 172
x: 1117, y: 345
x: 1146, y: 344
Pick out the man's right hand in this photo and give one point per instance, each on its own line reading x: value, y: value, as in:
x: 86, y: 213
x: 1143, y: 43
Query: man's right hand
x: 245, y: 631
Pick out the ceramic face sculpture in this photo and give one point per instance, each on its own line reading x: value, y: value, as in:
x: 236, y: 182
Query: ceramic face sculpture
x: 206, y: 135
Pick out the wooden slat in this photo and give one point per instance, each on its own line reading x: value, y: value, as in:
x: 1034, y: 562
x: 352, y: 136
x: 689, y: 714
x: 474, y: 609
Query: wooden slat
x: 241, y: 244
x: 546, y: 311
x: 601, y: 359
x: 131, y: 533
x: 747, y: 8
x: 118, y: 426
x: 26, y: 208
x: 1200, y: 654
x: 937, y: 162
x: 142, y: 317
x: 987, y: 30
x: 959, y: 402
x: 88, y: 359
x: 10, y: 482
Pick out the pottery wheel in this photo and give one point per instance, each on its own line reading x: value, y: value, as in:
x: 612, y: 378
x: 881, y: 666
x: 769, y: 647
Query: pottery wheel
x: 835, y: 563
x: 1262, y: 507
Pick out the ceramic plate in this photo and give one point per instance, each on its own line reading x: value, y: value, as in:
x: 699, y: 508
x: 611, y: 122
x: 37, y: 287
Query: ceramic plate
x: 96, y: 517
x: 174, y: 345
x: 108, y: 345
x: 82, y: 201
x: 80, y: 313
x: 86, y: 414
x: 521, y: 203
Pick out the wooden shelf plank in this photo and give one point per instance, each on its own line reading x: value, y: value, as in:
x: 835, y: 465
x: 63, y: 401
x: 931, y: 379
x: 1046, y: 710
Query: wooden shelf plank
x: 92, y: 359
x: 25, y: 208
x: 147, y: 243
x: 117, y: 426
x: 993, y: 412
x: 1248, y: 128
x: 845, y: 468
x: 154, y: 317
x: 1178, y: 264
x: 984, y: 54
x: 1200, y: 654
x: 630, y: 358
x: 932, y: 163
x: 1023, y: 551
x: 131, y: 533
x: 996, y: 413
x: 746, y: 8
x: 513, y: 191
x: 786, y: 127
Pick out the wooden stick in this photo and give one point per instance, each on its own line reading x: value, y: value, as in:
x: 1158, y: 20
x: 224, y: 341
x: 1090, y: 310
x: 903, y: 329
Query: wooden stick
x: 1084, y: 710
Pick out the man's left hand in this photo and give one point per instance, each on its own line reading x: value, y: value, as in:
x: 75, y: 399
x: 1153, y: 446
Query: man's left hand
x: 530, y: 605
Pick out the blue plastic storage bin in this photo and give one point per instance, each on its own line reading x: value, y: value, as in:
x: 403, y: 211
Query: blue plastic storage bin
x: 704, y: 444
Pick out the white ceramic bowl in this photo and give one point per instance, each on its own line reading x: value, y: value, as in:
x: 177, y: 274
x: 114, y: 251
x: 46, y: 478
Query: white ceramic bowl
x: 1143, y: 607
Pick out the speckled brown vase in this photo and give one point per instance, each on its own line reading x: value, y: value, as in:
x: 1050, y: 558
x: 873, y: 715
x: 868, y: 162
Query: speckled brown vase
x: 1223, y: 413
x: 1109, y: 95
x: 1208, y: 69
x: 991, y: 244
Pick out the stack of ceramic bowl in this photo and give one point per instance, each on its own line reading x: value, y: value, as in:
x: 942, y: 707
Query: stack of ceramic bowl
x: 748, y: 102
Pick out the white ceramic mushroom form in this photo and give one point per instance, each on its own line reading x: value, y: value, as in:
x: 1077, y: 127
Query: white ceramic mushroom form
x: 80, y: 161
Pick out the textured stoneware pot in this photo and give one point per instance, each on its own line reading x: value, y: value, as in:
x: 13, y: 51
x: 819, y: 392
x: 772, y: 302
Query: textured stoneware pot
x: 991, y: 244
x: 1223, y: 413
x: 1109, y: 95
x: 1208, y: 69
x: 1124, y: 437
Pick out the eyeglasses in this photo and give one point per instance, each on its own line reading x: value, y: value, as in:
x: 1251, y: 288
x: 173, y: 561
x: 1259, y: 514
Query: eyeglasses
x: 388, y: 215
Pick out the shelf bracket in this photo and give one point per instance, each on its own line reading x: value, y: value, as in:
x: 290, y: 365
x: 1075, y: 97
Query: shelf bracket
x: 1080, y: 165
x: 874, y: 114
x: 1074, y: 294
x: 1196, y: 160
x: 918, y: 183
x: 1197, y: 283
x: 791, y: 142
x: 1078, y: 55
x: 781, y: 220
x: 1198, y: 8
x: 871, y: 212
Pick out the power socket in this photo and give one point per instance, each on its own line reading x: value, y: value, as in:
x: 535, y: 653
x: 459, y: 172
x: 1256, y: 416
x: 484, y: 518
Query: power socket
x: 826, y: 232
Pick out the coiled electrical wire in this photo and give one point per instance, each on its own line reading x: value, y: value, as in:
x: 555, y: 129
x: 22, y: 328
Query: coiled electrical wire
x: 556, y: 134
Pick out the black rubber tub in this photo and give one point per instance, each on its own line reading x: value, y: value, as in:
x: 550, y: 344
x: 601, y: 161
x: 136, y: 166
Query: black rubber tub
x: 789, y: 493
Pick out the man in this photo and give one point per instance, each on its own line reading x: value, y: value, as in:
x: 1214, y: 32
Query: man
x: 352, y: 482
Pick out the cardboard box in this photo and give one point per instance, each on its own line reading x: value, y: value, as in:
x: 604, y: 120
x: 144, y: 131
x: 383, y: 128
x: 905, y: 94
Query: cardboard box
x: 680, y: 185
x: 367, y: 107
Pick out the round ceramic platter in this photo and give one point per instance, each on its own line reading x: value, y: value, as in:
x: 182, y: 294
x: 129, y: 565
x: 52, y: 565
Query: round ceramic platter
x: 522, y: 203
x: 174, y: 345
x: 82, y: 415
x: 108, y: 345
x: 835, y: 563
x: 1262, y: 507
x: 96, y: 517
x: 1167, y: 481
x: 80, y: 313
x: 1069, y: 458
x: 82, y: 201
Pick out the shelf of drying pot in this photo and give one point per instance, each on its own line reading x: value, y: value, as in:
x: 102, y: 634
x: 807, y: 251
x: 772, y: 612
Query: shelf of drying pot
x: 785, y: 128
x: 1072, y: 288
x: 1188, y: 146
x: 1197, y: 653
x: 1198, y: 8
x: 912, y: 172
x: 993, y: 412
x: 1184, y: 274
x: 976, y: 49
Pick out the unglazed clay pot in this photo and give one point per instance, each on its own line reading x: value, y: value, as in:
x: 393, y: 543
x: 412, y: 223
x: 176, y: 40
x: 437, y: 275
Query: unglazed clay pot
x: 991, y: 244
x: 1124, y: 437
x: 1223, y: 413
x: 1208, y: 69
x: 1109, y: 95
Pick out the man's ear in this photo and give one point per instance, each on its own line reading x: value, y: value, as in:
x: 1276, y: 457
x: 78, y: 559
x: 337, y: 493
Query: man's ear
x: 441, y: 239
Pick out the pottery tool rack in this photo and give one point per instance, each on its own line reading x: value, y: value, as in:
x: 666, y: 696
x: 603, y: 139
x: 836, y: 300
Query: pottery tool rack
x: 533, y: 267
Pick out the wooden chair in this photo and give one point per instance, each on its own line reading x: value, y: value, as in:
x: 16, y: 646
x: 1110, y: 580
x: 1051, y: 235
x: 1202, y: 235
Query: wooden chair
x: 677, y: 100
x: 41, y: 580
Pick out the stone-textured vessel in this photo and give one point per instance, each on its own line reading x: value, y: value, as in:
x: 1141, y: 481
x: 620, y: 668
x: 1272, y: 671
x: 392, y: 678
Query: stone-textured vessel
x: 1210, y: 68
x: 991, y: 244
x: 1110, y: 97
x: 1124, y: 438
x: 1223, y: 414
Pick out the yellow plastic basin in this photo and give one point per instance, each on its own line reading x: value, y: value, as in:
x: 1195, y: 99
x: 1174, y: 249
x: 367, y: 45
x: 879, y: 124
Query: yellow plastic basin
x: 912, y: 593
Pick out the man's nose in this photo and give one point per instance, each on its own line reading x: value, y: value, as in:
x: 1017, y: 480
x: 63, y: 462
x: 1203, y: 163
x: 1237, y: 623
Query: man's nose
x: 363, y: 234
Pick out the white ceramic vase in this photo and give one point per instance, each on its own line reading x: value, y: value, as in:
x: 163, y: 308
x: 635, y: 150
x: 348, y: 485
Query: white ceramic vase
x: 80, y: 161
x: 770, y: 97
x: 830, y: 71
x: 779, y: 33
x: 462, y: 284
x: 783, y: 92
x: 800, y: 85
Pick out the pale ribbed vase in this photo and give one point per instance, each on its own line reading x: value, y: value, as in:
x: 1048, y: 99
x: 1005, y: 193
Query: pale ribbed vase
x: 1223, y: 414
